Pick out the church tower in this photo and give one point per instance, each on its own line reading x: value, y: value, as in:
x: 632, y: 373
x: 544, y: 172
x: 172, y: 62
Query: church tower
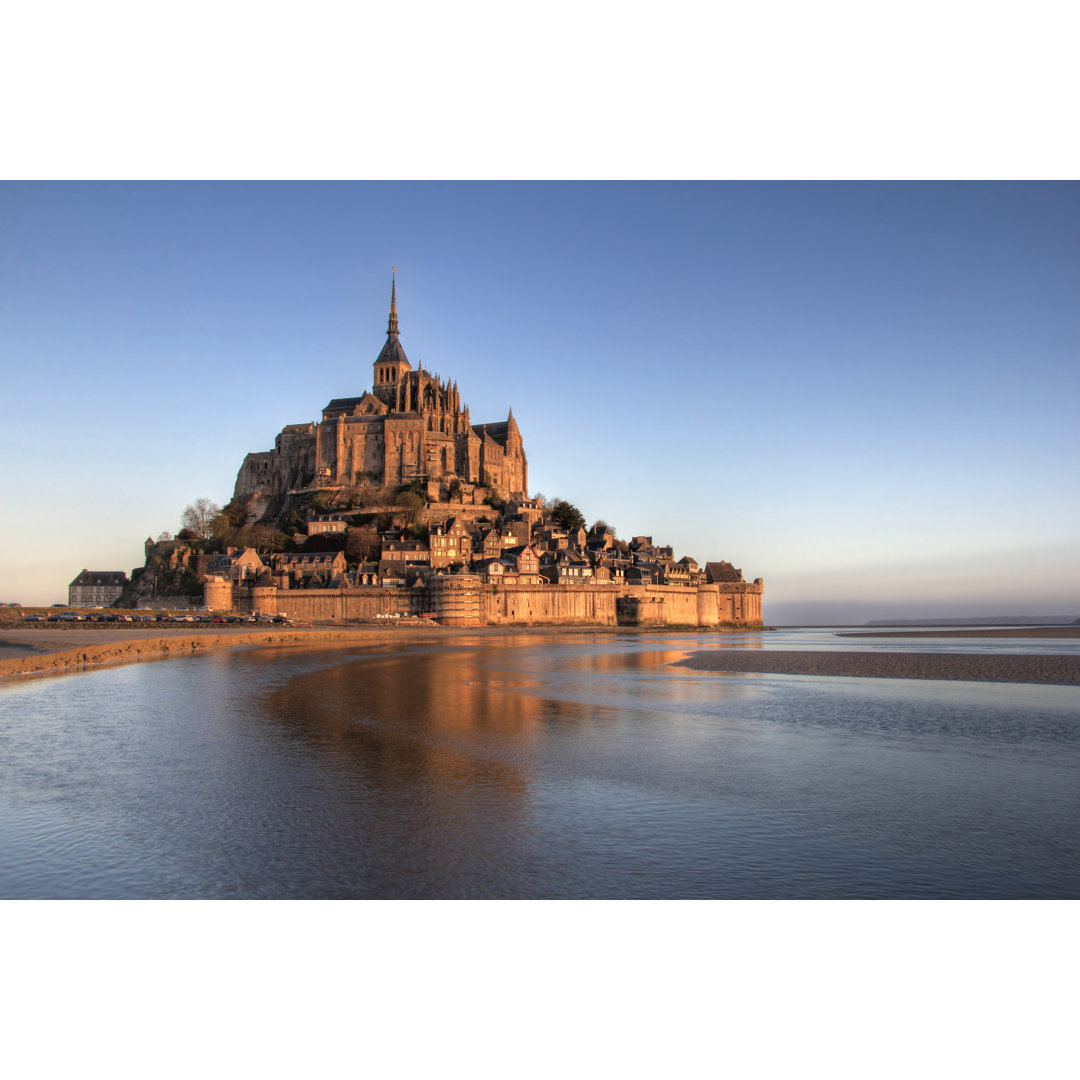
x: 392, y: 363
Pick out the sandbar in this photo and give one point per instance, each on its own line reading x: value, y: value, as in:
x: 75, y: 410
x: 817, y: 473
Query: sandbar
x: 1066, y: 631
x: 968, y: 667
x: 28, y: 652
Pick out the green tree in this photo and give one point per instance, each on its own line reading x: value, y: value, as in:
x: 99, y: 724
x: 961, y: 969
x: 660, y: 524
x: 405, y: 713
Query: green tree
x: 236, y: 514
x: 567, y: 516
x: 326, y: 541
x: 413, y: 506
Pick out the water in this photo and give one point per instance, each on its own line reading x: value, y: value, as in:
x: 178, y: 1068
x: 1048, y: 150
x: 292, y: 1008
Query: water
x: 524, y: 766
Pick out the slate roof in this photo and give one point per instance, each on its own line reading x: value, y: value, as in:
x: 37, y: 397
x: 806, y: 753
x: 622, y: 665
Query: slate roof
x: 721, y: 571
x: 495, y: 432
x: 101, y: 577
x: 344, y: 403
x: 393, y: 353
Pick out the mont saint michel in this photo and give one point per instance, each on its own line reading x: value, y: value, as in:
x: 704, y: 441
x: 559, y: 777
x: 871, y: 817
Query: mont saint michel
x: 491, y: 693
x: 396, y: 503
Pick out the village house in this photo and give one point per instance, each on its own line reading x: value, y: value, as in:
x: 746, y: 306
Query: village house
x: 406, y: 552
x: 639, y: 574
x: 490, y: 546
x: 240, y: 566
x: 335, y: 522
x: 565, y: 567
x: 450, y: 543
x: 92, y: 588
x: 307, y: 569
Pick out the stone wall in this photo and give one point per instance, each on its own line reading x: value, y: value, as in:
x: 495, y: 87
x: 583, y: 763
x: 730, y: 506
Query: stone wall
x: 518, y: 605
x: 735, y: 603
x: 739, y: 602
x: 331, y: 605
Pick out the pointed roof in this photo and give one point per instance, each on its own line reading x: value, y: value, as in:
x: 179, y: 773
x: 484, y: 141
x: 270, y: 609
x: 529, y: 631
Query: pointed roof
x: 392, y: 328
x: 392, y: 352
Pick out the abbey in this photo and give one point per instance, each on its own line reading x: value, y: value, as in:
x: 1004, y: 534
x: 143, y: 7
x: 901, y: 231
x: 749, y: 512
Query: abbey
x: 410, y: 427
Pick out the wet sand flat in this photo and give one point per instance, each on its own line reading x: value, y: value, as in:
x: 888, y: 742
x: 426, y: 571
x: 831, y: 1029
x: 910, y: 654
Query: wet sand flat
x: 25, y: 652
x: 969, y: 667
x: 955, y: 632
x: 37, y: 650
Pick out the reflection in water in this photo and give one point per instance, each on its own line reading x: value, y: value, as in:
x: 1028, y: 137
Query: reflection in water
x: 531, y: 766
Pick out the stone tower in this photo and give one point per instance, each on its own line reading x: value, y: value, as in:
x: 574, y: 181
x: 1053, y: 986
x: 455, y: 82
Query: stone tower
x: 391, y: 364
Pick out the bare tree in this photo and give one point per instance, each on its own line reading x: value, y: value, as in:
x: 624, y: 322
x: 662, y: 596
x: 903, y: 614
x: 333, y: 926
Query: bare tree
x: 362, y: 543
x: 199, y: 517
x: 260, y: 537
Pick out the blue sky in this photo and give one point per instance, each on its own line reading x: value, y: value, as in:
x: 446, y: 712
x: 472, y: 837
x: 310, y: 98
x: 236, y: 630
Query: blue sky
x: 863, y: 392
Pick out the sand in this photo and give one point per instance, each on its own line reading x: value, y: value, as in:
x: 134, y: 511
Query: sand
x: 25, y: 651
x: 972, y: 667
x: 1013, y: 631
x: 32, y: 651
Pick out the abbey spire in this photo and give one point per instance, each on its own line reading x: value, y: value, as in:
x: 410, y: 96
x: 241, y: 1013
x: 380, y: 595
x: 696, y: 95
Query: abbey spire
x: 392, y: 328
x: 392, y: 363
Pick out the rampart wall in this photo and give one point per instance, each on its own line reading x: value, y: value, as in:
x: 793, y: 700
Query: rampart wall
x: 728, y: 604
x: 533, y: 605
x: 328, y: 605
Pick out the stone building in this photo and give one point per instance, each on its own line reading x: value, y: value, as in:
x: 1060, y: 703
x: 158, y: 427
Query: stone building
x: 94, y: 587
x: 409, y: 427
x: 242, y: 567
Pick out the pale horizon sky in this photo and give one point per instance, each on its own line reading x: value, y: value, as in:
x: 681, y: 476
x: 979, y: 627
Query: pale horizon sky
x: 862, y: 392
